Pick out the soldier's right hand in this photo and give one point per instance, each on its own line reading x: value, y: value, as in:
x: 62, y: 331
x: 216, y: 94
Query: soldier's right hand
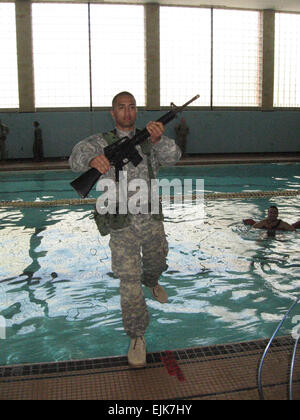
x: 101, y: 163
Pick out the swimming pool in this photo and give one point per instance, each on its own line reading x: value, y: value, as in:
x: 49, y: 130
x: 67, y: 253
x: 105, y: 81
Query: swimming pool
x: 60, y: 300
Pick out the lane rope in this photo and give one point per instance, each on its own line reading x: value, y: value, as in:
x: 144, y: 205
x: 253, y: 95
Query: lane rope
x: 207, y: 196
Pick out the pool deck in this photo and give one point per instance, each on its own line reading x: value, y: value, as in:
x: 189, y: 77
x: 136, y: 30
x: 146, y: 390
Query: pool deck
x: 218, y: 372
x: 189, y: 160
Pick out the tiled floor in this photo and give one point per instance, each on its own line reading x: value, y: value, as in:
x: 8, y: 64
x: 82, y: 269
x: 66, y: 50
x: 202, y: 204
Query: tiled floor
x: 220, y: 372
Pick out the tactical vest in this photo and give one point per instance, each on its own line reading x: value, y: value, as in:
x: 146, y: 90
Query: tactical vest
x: 106, y: 222
x: 111, y: 137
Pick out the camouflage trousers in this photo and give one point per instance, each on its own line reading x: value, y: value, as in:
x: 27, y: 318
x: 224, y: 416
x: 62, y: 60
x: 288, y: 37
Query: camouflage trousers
x: 138, y: 255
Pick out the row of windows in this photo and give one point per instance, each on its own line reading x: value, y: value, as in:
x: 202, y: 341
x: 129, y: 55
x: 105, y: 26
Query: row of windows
x: 84, y: 54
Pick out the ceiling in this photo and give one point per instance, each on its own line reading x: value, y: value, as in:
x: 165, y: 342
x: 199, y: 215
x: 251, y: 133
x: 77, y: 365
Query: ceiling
x: 279, y: 5
x: 283, y: 5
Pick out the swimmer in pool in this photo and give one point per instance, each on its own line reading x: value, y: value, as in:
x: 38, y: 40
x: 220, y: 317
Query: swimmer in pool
x: 272, y: 223
x: 296, y: 225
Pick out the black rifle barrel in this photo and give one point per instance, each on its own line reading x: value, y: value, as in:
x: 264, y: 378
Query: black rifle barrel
x: 85, y: 182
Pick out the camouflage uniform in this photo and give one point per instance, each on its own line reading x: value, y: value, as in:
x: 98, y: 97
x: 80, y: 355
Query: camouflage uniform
x: 138, y: 250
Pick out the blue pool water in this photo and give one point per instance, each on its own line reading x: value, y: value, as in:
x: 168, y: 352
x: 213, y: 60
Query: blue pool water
x: 226, y: 283
x: 49, y: 185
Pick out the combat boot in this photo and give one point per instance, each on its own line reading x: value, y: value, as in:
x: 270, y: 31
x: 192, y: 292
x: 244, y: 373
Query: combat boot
x: 137, y: 352
x: 159, y: 293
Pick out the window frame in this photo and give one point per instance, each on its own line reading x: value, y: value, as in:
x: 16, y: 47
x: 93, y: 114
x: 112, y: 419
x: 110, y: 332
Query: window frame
x: 158, y: 107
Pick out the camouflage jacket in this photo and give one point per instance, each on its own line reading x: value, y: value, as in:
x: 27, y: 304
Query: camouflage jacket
x: 164, y: 153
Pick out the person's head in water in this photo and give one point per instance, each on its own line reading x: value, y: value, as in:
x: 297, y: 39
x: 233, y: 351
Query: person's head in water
x: 272, y: 213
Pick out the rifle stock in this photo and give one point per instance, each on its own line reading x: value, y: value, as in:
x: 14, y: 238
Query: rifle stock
x: 85, y: 182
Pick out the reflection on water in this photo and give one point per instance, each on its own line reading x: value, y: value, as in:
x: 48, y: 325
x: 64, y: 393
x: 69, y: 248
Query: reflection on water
x: 226, y: 282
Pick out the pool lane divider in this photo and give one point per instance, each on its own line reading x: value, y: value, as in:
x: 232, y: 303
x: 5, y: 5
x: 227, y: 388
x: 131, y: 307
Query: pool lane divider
x: 207, y: 196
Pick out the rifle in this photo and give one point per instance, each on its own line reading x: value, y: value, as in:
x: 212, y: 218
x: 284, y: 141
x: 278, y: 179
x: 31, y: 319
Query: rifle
x: 121, y: 152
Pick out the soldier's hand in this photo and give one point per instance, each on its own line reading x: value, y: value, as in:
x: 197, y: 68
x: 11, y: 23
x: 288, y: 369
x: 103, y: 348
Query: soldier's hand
x: 101, y: 163
x: 155, y: 129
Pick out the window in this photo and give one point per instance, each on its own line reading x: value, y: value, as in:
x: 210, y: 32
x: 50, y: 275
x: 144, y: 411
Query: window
x: 83, y: 54
x: 225, y: 70
x: 237, y: 58
x: 9, y: 97
x: 185, y: 55
x: 117, y: 52
x: 61, y: 55
x: 75, y: 68
x: 287, y: 60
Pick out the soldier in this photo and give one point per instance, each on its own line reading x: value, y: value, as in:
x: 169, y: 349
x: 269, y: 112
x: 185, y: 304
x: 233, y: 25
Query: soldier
x: 137, y: 241
x: 182, y: 131
x: 272, y: 223
x: 4, y: 130
x: 38, y: 154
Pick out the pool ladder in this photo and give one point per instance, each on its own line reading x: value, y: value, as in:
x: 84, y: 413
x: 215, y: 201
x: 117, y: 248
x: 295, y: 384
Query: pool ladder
x: 297, y: 336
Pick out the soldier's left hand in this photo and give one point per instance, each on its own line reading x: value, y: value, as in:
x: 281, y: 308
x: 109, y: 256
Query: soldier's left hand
x: 155, y: 129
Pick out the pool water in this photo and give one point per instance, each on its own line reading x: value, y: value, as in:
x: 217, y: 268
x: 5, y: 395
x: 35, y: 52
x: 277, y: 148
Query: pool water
x: 226, y: 282
x: 51, y: 185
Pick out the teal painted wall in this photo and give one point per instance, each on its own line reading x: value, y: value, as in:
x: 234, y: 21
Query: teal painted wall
x: 210, y: 131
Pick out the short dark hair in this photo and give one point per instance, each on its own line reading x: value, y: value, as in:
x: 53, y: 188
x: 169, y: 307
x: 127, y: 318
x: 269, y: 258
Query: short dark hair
x: 273, y: 207
x: 121, y: 94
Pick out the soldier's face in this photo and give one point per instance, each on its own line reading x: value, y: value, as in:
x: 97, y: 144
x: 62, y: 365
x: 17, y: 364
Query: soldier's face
x: 124, y: 113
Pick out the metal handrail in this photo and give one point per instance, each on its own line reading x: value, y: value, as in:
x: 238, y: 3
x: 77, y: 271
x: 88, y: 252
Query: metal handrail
x: 260, y: 390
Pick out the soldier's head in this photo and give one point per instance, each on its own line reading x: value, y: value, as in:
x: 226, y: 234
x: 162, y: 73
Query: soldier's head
x: 272, y: 213
x: 124, y: 111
